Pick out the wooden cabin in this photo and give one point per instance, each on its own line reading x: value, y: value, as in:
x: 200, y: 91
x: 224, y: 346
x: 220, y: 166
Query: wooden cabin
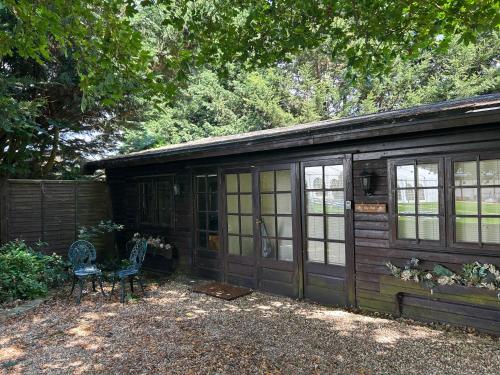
x: 316, y: 211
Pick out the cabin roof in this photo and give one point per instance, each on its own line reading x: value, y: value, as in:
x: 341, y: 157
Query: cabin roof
x: 448, y: 114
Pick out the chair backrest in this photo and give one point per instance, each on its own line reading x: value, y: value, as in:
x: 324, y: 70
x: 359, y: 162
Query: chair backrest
x: 138, y: 253
x: 81, y: 254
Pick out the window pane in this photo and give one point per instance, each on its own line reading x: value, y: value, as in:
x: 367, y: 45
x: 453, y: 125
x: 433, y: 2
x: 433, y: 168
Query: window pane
x: 269, y: 226
x: 313, y: 177
x: 466, y: 229
x: 490, y: 201
x: 490, y: 230
x: 284, y: 227
x: 335, y: 228
x: 232, y: 183
x: 284, y: 203
x: 268, y: 248
x: 465, y: 173
x: 334, y: 202
x: 267, y: 203
x: 247, y: 246
x: 427, y: 175
x: 246, y: 204
x: 213, y: 221
x: 200, y: 183
x: 428, y: 228
x: 316, y: 251
x: 336, y: 253
x: 428, y: 201
x: 314, y: 202
x: 283, y: 182
x: 232, y: 203
x: 490, y: 172
x: 466, y: 201
x: 202, y: 220
x: 247, y: 225
x: 405, y: 176
x: 315, y: 227
x: 285, y: 250
x: 406, y: 201
x: 202, y: 240
x: 407, y: 227
x: 213, y: 204
x: 245, y: 182
x: 202, y: 202
x: 267, y: 181
x: 213, y: 241
x: 334, y: 176
x: 212, y: 184
x: 233, y: 225
x: 233, y: 243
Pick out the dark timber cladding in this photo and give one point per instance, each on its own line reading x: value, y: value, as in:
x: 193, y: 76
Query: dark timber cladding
x: 275, y: 209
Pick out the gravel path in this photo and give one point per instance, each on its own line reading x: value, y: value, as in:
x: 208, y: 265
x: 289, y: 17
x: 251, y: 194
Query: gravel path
x: 177, y: 332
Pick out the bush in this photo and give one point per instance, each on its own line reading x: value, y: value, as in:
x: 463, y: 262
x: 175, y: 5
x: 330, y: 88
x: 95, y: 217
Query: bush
x: 26, y: 273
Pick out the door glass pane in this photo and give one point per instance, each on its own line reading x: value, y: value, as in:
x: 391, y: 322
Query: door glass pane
x: 200, y: 184
x: 212, y: 184
x: 268, y: 248
x: 269, y: 225
x: 427, y: 175
x: 405, y: 176
x: 490, y: 230
x: 490, y: 172
x: 285, y: 250
x: 336, y: 253
x: 245, y: 182
x: 490, y: 201
x: 213, y: 204
x: 284, y: 227
x: 313, y: 177
x: 467, y: 229
x: 202, y: 220
x: 284, y: 203
x: 315, y: 227
x: 314, y: 202
x: 213, y: 241
x: 334, y: 202
x: 213, y: 221
x: 267, y: 203
x: 233, y: 225
x: 334, y: 176
x: 283, y: 182
x: 335, y: 228
x: 428, y: 201
x: 466, y: 201
x: 406, y: 201
x: 246, y: 203
x: 247, y: 246
x: 316, y: 251
x: 232, y: 203
x: 202, y: 239
x: 407, y: 227
x: 232, y: 183
x: 247, y: 225
x: 428, y: 228
x: 233, y: 245
x: 465, y: 173
x: 267, y: 181
x: 202, y: 202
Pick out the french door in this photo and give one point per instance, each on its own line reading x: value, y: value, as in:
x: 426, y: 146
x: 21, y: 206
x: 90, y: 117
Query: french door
x: 261, y: 228
x: 328, y: 258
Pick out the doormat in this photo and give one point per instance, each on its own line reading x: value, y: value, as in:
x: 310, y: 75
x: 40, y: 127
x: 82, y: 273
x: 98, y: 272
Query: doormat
x: 221, y: 290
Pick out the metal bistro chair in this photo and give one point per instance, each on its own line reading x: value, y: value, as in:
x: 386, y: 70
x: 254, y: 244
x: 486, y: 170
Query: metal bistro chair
x: 137, y: 255
x: 82, y: 256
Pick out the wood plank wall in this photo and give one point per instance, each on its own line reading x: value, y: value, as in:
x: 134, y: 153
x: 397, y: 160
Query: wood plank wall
x: 373, y: 250
x: 51, y: 211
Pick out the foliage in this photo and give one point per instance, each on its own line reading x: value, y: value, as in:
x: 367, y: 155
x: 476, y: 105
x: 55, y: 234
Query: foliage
x: 93, y: 232
x: 26, y: 273
x: 472, y: 275
x: 157, y: 242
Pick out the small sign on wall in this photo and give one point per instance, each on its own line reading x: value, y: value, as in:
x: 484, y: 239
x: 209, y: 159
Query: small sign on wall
x: 371, y: 208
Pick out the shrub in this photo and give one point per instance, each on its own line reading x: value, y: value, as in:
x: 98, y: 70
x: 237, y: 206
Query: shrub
x: 26, y: 273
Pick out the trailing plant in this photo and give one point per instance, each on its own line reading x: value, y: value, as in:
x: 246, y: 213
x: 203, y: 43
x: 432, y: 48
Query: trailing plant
x: 157, y: 242
x: 479, y: 275
x: 26, y: 273
x: 104, y: 226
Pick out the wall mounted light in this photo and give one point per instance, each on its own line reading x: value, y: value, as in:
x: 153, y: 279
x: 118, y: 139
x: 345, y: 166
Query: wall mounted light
x: 367, y: 182
x: 177, y: 189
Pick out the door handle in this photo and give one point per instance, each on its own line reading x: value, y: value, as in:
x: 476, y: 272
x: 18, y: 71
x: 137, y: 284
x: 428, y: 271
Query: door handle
x: 258, y: 221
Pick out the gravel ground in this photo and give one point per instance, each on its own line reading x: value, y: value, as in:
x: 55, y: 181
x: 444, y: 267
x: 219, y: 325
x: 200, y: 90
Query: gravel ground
x: 174, y: 331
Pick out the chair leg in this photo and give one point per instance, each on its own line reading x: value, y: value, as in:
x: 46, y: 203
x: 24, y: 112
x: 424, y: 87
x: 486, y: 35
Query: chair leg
x: 141, y: 284
x: 131, y: 281
x: 122, y: 292
x: 99, y: 279
x: 93, y: 283
x: 112, y: 287
x: 80, y: 283
x: 73, y: 283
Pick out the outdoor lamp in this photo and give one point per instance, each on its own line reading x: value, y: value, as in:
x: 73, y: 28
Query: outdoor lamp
x: 367, y: 181
x: 177, y: 189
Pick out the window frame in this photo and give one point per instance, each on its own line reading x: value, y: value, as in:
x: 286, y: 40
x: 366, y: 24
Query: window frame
x: 392, y: 203
x: 154, y: 183
x: 477, y: 157
x: 206, y: 193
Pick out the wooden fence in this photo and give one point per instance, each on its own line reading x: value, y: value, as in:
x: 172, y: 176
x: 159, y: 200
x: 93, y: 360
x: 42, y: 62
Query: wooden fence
x: 51, y: 211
